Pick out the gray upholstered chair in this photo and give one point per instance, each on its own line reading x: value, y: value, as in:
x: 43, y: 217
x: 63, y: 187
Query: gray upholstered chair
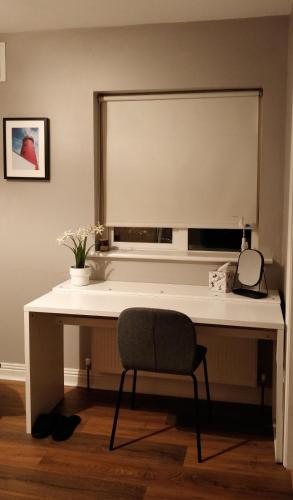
x: 162, y: 341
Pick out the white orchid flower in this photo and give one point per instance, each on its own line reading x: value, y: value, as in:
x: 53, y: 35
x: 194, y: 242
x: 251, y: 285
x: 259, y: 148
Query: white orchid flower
x: 76, y: 241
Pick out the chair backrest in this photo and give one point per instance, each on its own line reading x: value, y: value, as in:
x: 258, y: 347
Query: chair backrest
x: 156, y: 340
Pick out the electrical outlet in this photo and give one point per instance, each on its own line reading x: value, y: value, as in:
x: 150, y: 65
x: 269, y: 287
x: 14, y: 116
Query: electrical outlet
x: 88, y: 362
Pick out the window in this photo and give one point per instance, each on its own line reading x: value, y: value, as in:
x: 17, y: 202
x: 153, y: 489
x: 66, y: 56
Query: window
x: 180, y: 160
x: 173, y: 161
x: 164, y: 239
x: 142, y: 235
x: 199, y: 240
x: 217, y: 240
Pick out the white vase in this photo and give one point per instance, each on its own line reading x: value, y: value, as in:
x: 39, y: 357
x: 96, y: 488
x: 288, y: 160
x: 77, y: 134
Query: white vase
x: 80, y: 276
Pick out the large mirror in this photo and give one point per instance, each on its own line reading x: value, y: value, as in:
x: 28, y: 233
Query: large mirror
x: 249, y: 273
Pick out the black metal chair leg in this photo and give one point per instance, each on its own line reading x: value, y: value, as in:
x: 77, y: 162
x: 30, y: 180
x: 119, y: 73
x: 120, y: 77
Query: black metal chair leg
x: 133, y: 389
x: 197, y: 426
x: 206, y: 379
x: 118, y: 402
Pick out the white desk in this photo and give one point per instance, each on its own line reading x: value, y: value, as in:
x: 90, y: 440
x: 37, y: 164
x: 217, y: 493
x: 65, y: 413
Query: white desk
x: 101, y: 302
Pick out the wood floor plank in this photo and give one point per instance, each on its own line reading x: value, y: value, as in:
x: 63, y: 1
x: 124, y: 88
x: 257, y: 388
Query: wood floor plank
x: 234, y: 454
x: 146, y: 473
x: 58, y: 486
x: 200, y: 492
x: 158, y: 461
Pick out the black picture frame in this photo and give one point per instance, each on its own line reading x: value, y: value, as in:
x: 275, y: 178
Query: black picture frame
x: 26, y: 149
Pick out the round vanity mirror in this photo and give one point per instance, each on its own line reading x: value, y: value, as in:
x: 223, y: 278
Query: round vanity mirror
x: 250, y: 267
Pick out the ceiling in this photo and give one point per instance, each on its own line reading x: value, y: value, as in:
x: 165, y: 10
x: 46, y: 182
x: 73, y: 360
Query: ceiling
x: 36, y: 15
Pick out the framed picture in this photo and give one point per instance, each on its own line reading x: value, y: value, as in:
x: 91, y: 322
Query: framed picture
x: 26, y: 148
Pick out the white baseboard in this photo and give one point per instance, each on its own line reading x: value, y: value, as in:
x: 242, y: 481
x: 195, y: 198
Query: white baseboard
x: 75, y: 377
x: 149, y: 385
x: 16, y: 371
x: 12, y: 371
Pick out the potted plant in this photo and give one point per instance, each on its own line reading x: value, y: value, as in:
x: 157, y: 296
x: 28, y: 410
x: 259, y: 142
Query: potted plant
x: 77, y: 242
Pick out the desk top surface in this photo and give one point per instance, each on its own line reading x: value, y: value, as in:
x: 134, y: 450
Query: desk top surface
x: 109, y: 298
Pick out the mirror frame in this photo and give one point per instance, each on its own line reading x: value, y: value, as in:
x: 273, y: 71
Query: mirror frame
x: 247, y: 289
x: 261, y: 268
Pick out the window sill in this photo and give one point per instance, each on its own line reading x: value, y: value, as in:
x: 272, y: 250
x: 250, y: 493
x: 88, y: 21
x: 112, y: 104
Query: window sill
x: 171, y: 256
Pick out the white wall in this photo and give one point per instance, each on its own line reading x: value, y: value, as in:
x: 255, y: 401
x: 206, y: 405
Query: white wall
x: 55, y: 74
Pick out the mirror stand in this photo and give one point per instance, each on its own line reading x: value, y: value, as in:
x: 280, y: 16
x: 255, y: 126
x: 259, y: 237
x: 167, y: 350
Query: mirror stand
x: 250, y: 292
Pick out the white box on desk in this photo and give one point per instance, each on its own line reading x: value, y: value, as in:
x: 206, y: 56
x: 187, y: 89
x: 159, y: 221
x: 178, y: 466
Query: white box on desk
x: 221, y: 281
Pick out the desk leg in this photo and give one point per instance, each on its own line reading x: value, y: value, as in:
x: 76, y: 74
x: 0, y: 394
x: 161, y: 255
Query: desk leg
x: 44, y: 364
x: 278, y: 395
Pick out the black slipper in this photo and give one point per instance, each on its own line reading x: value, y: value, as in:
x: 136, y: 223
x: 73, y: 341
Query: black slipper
x: 65, y: 427
x: 44, y: 425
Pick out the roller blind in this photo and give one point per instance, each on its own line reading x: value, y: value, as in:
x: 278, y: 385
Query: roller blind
x: 180, y: 160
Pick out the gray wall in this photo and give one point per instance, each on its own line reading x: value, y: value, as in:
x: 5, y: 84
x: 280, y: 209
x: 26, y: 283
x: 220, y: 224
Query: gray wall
x: 55, y: 74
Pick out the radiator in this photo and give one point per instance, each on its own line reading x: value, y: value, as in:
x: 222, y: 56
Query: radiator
x: 231, y: 361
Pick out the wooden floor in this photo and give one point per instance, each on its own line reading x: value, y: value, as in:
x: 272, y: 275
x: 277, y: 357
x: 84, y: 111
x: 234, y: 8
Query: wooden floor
x: 160, y: 466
